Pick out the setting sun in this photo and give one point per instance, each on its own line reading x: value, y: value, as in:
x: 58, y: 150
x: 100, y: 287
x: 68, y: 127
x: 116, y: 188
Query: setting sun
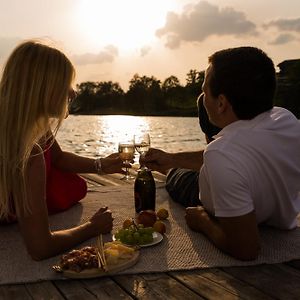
x: 124, y: 24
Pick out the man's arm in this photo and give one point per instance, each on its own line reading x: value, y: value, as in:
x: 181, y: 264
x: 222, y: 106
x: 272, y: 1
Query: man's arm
x: 237, y: 236
x: 162, y: 161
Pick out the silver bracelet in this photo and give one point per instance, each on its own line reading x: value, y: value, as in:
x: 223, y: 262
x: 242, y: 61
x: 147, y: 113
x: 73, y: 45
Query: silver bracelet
x: 98, y: 166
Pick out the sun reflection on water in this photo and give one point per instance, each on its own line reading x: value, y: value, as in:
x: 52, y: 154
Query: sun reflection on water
x: 113, y: 129
x: 98, y: 136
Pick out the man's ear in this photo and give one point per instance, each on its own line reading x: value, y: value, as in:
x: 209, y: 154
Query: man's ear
x: 223, y: 103
x: 225, y: 109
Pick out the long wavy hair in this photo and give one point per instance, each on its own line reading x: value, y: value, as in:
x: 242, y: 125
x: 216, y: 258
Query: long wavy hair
x: 34, y: 88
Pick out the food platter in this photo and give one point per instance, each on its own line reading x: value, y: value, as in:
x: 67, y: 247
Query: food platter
x: 157, y: 238
x: 97, y: 272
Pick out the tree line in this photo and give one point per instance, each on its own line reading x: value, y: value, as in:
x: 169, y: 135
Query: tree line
x: 150, y: 96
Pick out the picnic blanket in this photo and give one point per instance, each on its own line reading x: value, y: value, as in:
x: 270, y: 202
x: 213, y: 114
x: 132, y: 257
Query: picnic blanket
x: 181, y: 248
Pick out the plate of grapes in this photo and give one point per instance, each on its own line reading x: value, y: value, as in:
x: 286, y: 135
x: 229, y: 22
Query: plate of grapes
x: 138, y: 235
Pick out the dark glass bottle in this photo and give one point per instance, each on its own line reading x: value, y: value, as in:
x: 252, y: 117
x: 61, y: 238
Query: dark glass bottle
x: 144, y: 190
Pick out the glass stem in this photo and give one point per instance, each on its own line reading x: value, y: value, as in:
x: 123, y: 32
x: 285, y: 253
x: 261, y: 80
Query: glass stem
x: 142, y: 155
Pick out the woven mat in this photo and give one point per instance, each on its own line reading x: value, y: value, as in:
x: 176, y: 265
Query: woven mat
x: 181, y: 249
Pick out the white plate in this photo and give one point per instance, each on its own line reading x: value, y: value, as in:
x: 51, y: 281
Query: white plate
x: 157, y: 238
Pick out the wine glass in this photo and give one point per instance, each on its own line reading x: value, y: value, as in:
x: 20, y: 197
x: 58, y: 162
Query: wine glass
x: 126, y: 152
x: 142, y: 145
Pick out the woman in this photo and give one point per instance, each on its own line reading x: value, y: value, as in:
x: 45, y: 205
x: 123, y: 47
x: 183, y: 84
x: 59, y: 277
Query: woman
x: 35, y: 91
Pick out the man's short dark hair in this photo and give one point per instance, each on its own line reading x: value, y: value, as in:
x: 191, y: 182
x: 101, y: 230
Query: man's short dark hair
x: 246, y: 76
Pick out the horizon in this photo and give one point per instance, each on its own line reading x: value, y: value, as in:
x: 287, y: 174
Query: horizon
x: 113, y: 40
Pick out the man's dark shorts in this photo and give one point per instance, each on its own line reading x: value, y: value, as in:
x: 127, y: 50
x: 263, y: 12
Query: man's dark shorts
x: 183, y: 187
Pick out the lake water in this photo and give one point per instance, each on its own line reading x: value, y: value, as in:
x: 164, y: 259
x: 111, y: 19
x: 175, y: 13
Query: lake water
x: 94, y: 136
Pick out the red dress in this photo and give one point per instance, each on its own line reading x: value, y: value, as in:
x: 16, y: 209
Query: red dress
x: 63, y: 189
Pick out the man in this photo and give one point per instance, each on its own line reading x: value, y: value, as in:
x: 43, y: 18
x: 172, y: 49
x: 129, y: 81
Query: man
x: 250, y: 173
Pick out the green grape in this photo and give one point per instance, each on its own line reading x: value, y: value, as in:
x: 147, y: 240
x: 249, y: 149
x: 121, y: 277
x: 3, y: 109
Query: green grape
x: 148, y: 238
x: 149, y: 230
x: 128, y: 239
x: 142, y: 240
x: 135, y: 235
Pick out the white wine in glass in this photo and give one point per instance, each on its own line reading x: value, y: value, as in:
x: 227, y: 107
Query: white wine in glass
x: 142, y: 148
x: 142, y: 144
x: 126, y: 152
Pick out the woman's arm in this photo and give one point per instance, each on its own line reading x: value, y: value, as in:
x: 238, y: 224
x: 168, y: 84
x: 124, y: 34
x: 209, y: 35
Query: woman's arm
x: 71, y: 162
x: 40, y: 241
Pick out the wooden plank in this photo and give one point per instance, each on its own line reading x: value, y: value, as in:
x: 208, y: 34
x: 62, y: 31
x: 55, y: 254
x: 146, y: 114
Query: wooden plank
x: 294, y: 263
x: 16, y: 292
x: 73, y: 290
x: 91, y: 183
x: 278, y: 280
x: 43, y: 290
x: 105, y: 288
x: 115, y: 179
x: 102, y: 180
x: 215, y: 284
x: 155, y: 286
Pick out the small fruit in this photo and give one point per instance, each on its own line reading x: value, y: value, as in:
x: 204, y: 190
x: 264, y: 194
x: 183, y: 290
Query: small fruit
x: 162, y: 214
x: 160, y: 227
x: 147, y: 218
x: 127, y: 223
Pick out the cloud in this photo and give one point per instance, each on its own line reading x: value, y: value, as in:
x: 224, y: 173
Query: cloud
x: 199, y: 21
x: 285, y: 24
x: 283, y: 39
x: 107, y: 55
x: 145, y: 50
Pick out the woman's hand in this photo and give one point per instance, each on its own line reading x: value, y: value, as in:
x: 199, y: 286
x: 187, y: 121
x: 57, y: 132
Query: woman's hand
x: 113, y: 164
x: 101, y: 221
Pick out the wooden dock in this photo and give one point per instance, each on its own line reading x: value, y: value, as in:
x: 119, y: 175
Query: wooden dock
x: 277, y: 281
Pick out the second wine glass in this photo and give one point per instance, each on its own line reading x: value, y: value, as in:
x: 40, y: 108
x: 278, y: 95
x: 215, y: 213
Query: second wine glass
x: 142, y: 144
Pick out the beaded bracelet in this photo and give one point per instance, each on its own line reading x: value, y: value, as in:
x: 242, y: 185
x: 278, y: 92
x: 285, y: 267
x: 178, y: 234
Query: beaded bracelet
x: 98, y: 166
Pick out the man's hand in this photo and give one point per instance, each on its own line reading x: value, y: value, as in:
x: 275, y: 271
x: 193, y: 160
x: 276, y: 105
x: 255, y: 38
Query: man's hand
x: 196, y: 218
x: 237, y: 236
x: 162, y: 161
x: 158, y: 160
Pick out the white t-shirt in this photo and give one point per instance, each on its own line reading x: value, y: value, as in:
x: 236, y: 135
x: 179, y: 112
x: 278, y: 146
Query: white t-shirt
x: 255, y: 165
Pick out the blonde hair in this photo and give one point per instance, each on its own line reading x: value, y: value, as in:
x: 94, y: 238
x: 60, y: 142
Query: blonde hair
x: 34, y: 88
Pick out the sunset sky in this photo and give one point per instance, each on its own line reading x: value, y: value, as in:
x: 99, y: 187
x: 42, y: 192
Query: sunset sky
x: 114, y: 39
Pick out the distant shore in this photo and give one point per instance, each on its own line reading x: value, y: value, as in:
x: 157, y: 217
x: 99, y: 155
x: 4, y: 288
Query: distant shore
x: 177, y: 113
